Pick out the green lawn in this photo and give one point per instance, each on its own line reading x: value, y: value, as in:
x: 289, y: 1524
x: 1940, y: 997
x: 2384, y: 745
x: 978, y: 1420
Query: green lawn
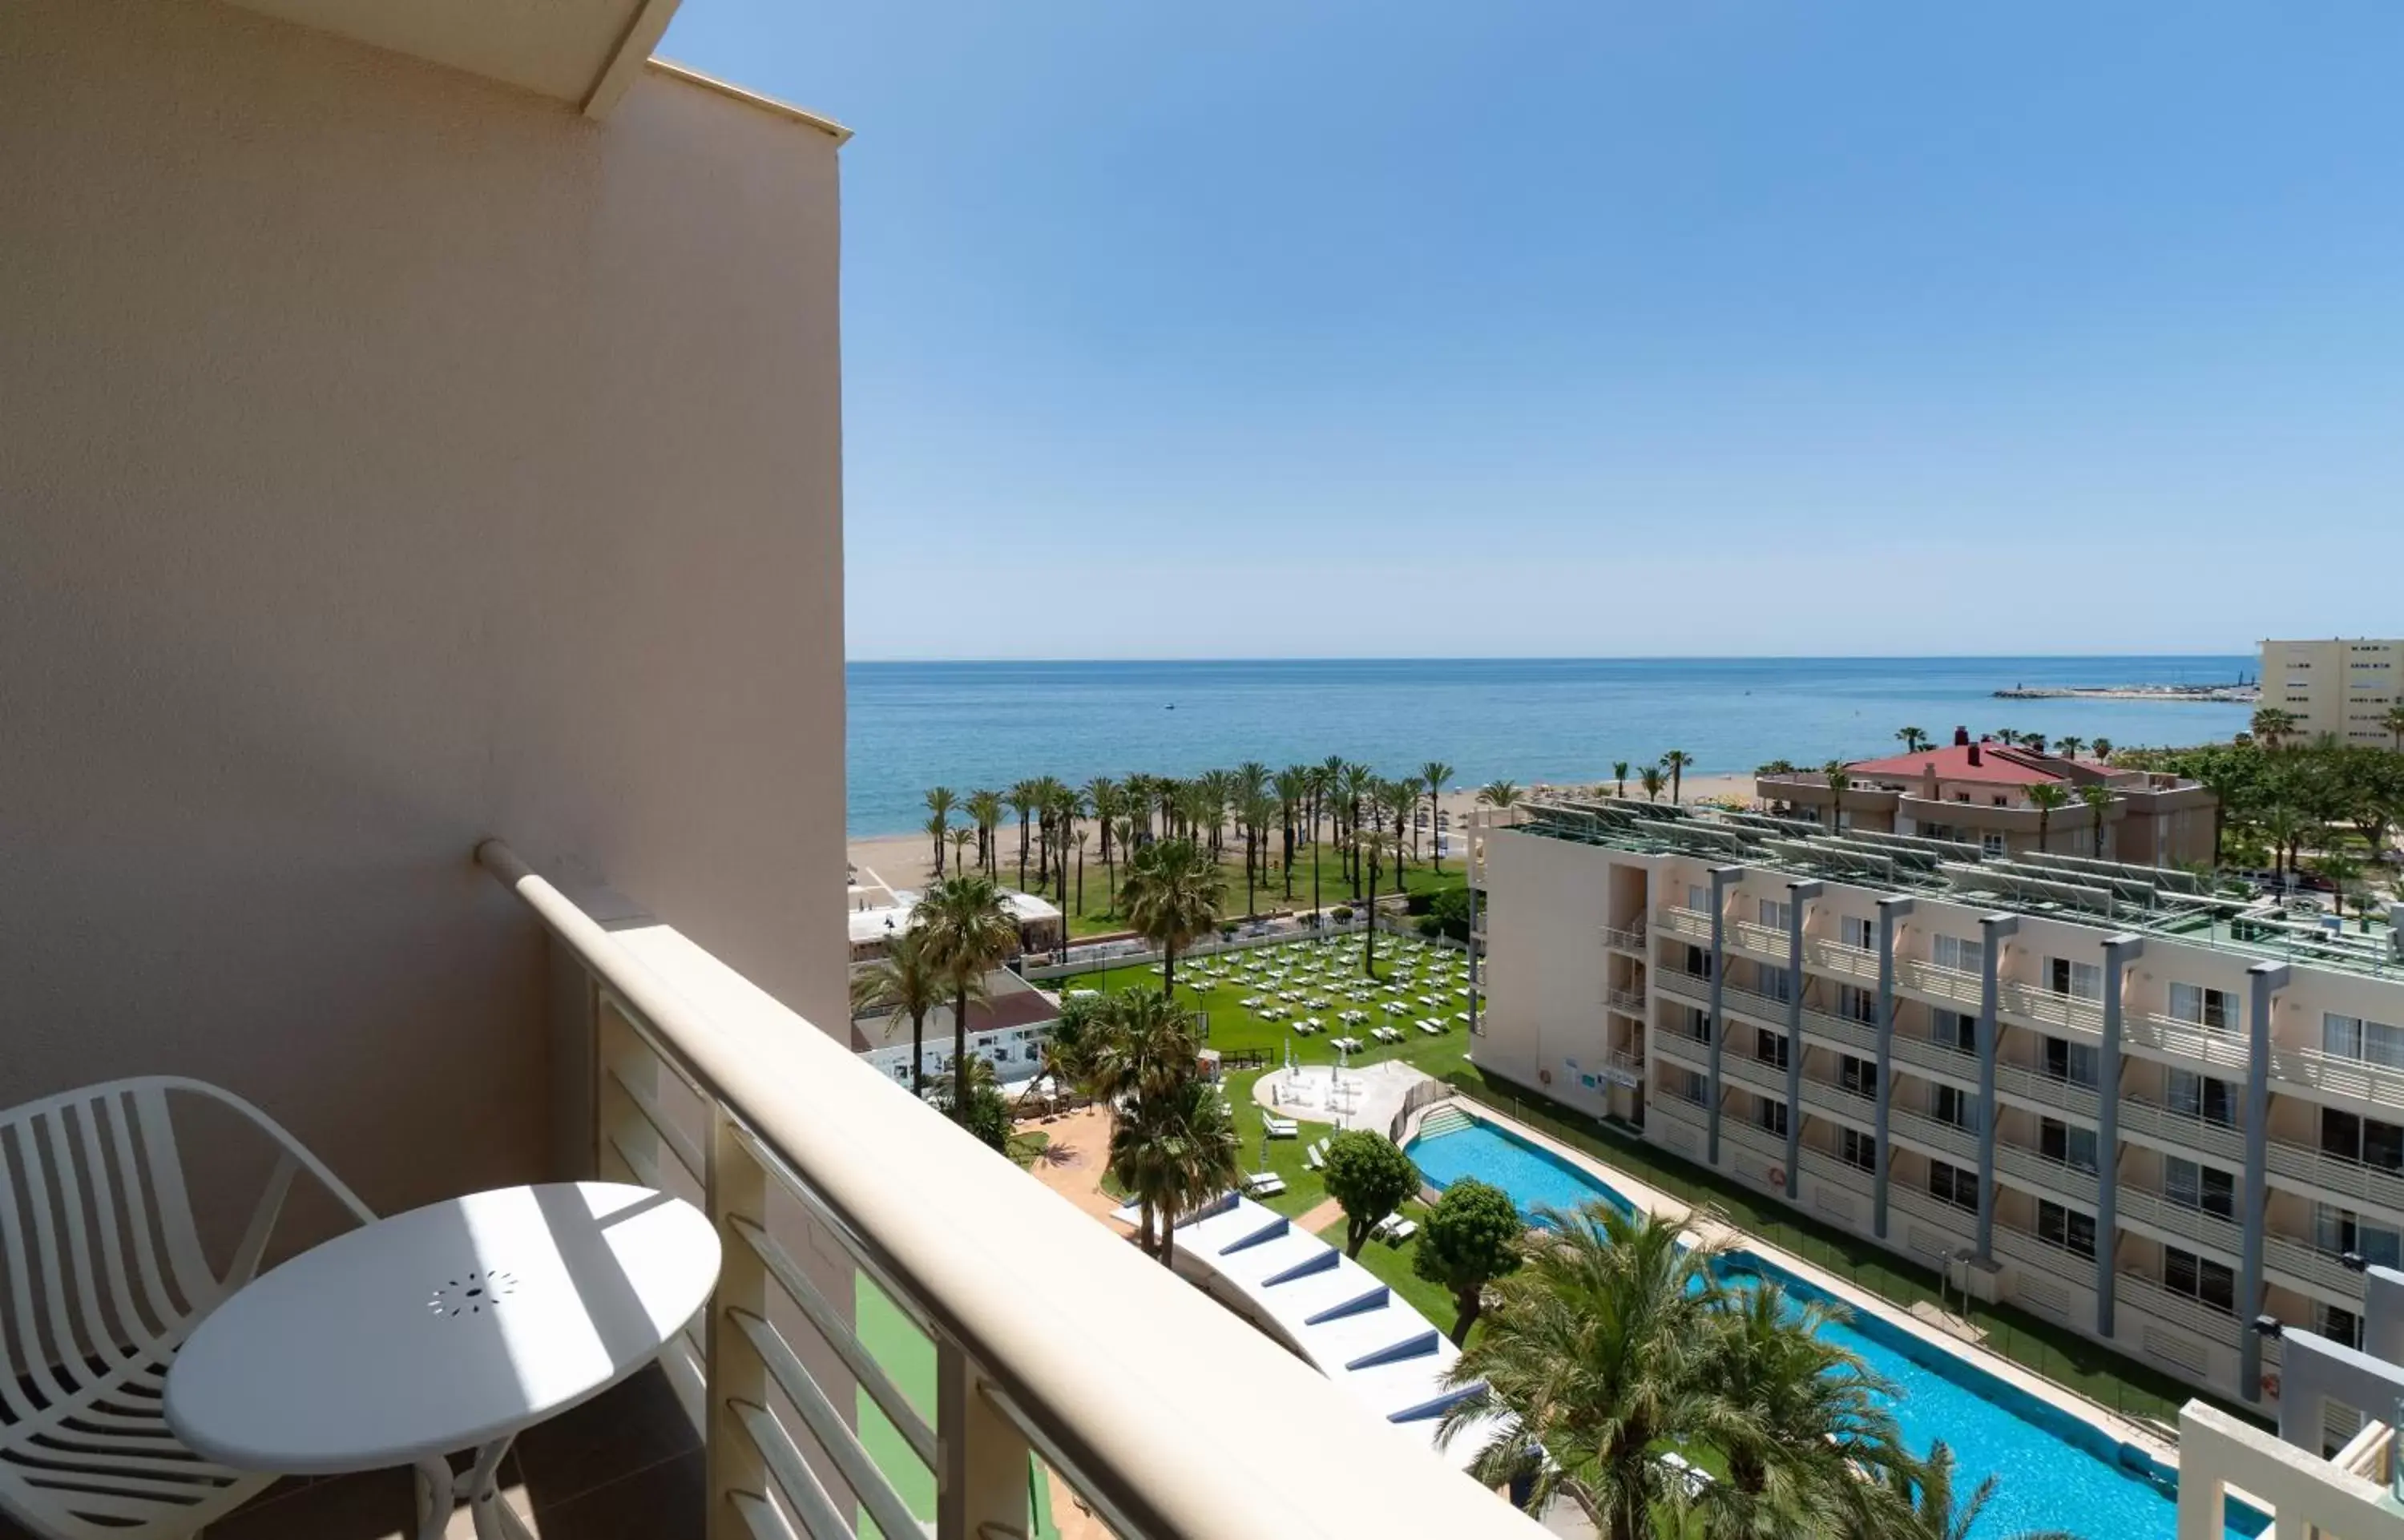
x: 1097, y: 913
x: 1392, y: 1263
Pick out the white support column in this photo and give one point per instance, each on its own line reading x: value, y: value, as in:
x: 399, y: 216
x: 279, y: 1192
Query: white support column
x: 737, y: 1189
x: 981, y: 1490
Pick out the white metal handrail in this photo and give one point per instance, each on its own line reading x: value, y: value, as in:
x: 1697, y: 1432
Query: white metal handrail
x: 1949, y: 984
x: 1051, y: 1334
x: 1761, y: 940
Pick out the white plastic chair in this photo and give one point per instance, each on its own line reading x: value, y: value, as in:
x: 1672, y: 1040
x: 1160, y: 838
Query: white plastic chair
x: 102, y: 1276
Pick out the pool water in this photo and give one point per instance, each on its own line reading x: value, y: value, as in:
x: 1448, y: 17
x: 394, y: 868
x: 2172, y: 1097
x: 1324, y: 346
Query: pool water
x: 2056, y: 1471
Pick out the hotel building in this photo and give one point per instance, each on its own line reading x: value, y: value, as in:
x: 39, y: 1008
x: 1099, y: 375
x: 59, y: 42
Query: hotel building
x: 2094, y: 1090
x: 2343, y: 687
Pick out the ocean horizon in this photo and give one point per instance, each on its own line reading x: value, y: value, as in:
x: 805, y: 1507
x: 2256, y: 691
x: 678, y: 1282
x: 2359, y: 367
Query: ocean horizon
x: 969, y: 724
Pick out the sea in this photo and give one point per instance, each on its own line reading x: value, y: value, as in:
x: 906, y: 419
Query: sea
x: 967, y: 725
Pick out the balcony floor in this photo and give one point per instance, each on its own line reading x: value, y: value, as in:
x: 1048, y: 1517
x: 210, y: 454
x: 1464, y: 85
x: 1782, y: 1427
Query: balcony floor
x: 625, y: 1465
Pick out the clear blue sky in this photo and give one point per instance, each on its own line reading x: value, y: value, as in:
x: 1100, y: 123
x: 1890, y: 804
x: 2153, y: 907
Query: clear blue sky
x: 1597, y: 328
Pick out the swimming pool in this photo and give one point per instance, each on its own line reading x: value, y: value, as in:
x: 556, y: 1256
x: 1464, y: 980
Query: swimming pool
x: 2057, y: 1471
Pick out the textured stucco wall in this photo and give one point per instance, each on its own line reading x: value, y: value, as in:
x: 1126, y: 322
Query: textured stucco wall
x: 388, y: 459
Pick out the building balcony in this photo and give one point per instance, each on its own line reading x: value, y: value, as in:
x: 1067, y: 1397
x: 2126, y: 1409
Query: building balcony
x: 1058, y: 1351
x: 2181, y: 1133
x: 2180, y: 1224
x: 2184, y: 1312
x: 2185, y: 1044
x: 1760, y: 1074
x: 1765, y: 943
x: 1680, y: 1048
x: 1857, y: 1038
x: 1843, y: 1174
x: 2333, y: 1178
x: 1931, y: 1136
x: 2037, y: 1171
x: 1831, y: 1100
x: 1751, y: 1136
x: 1949, y: 1219
x: 2049, y: 1011
x: 1688, y: 924
x: 1685, y: 986
x: 1935, y: 1058
x: 1629, y: 1001
x: 1768, y: 1010
x: 2032, y: 1249
x: 1836, y: 959
x: 1630, y: 940
x: 2311, y: 1270
x: 2378, y: 1087
x: 2047, y: 1093
x: 1947, y: 987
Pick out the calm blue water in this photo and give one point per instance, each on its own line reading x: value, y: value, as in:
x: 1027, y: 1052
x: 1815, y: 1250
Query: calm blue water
x: 966, y: 725
x: 2055, y: 1472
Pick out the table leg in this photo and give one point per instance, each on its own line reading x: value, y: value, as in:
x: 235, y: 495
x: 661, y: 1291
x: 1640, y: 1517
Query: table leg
x: 433, y: 1497
x: 495, y: 1519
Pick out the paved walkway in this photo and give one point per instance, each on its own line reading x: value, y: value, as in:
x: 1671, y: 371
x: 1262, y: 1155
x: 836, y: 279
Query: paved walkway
x: 1073, y: 1164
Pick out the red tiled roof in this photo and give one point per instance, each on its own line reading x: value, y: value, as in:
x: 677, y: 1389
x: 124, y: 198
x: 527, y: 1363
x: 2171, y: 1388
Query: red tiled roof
x: 2000, y: 764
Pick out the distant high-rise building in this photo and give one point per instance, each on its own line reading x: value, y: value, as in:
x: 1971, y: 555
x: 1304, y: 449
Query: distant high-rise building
x: 2344, y: 686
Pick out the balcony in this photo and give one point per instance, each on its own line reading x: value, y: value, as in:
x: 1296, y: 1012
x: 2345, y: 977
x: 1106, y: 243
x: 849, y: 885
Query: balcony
x: 2184, y: 1312
x: 1765, y: 941
x: 2181, y: 1133
x: 1690, y: 924
x: 1745, y: 1069
x: 1680, y: 1047
x: 1931, y: 1057
x: 2180, y: 1224
x: 1839, y: 1171
x: 2379, y: 1085
x: 2188, y: 1044
x: 2051, y: 1092
x: 2322, y: 1174
x: 1858, y: 1038
x: 1839, y: 960
x: 1630, y: 940
x: 2300, y: 1266
x: 1822, y: 1096
x: 1629, y: 1001
x: 1626, y: 1068
x: 1760, y: 1140
x: 1954, y: 1144
x: 1753, y: 1005
x: 2040, y: 1172
x: 2032, y: 1249
x: 1685, y: 986
x: 1917, y: 1203
x: 1947, y: 987
x: 2026, y: 1005
x: 1051, y: 1338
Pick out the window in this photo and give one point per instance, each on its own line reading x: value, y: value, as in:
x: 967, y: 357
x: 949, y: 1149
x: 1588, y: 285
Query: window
x: 1857, y: 1076
x: 2200, y: 1278
x: 1698, y: 1024
x: 1776, y: 983
x: 1770, y: 1047
x: 2203, y: 1096
x: 1952, y: 1185
x: 1774, y: 913
x: 2207, y: 1188
x: 2373, y: 1042
x: 1685, y: 1084
x: 1855, y: 1004
x: 2363, y: 1139
x: 2337, y: 1232
x: 1952, y: 1104
x: 2336, y: 1325
x: 1954, y: 1029
x: 1991, y: 845
x: 1769, y: 1116
x: 2073, y: 1147
x: 1966, y: 957
x: 2201, y: 1007
x: 2002, y: 801
x: 2067, y: 1228
x: 1855, y: 932
x: 2084, y: 980
x: 2079, y: 1063
x: 1699, y: 961
x: 1961, y: 796
x: 1699, y: 898
x: 1857, y: 1149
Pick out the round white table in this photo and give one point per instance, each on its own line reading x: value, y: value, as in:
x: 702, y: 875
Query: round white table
x: 448, y: 1327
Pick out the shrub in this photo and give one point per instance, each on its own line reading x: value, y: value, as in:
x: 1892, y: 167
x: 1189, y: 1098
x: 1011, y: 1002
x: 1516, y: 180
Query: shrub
x: 1370, y: 1177
x: 1343, y: 914
x: 1450, y: 913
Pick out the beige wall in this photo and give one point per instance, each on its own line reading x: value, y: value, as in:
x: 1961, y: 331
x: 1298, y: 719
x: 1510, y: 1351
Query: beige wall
x: 393, y: 459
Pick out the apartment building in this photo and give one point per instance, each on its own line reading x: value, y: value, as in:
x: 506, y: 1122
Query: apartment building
x: 2089, y: 1089
x: 2343, y: 687
x: 1977, y: 792
x: 420, y: 635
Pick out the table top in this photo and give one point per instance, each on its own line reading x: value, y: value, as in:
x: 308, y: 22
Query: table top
x: 442, y: 1328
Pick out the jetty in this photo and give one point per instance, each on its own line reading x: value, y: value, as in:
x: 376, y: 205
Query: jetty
x: 2239, y: 694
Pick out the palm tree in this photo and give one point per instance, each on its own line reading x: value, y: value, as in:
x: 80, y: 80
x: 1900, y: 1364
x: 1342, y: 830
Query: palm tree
x: 908, y: 981
x: 985, y: 809
x: 2032, y: 741
x: 1433, y: 775
x: 1083, y: 836
x: 961, y: 838
x: 1174, y: 1150
x: 1174, y: 894
x: 1352, y: 786
x: 2007, y: 736
x: 1402, y: 799
x: 2045, y: 797
x: 2394, y: 723
x: 2097, y: 799
x: 2069, y: 745
x: 1807, y: 1415
x: 2102, y: 747
x: 1598, y: 1354
x: 1619, y: 773
x: 1914, y: 740
x: 1022, y: 799
x: 1653, y: 781
x: 1142, y: 1049
x: 968, y: 932
x: 1498, y: 793
x: 1102, y: 796
x: 1922, y: 1493
x: 1127, y: 842
x: 1838, y: 775
x: 2273, y: 726
x: 1293, y: 786
x: 939, y: 831
x: 1675, y: 761
x: 938, y: 803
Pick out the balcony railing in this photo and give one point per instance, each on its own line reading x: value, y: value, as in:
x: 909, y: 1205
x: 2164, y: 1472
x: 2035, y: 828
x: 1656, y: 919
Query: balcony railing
x: 1687, y: 986
x: 2178, y: 1309
x: 1629, y: 1001
x: 2037, y: 1169
x: 1748, y: 1070
x: 1764, y: 941
x: 1692, y: 924
x: 2182, y: 1131
x: 2027, y: 1247
x: 2359, y: 1080
x: 2187, y: 1042
x: 2026, y: 1005
x: 1954, y: 1142
x: 1858, y: 1038
x: 1760, y: 1140
x: 1769, y: 1010
x: 1951, y: 985
x: 2300, y: 1165
x: 1827, y: 1096
x: 2138, y: 1206
x: 1680, y: 1048
x: 1629, y: 939
x: 1049, y: 1336
x: 1919, y: 1053
x: 1935, y: 1211
x: 1833, y: 958
x: 1844, y: 1173
x: 2306, y: 1263
x: 2029, y: 1085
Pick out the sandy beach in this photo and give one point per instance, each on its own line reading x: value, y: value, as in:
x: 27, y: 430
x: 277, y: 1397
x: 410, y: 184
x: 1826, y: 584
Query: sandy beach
x: 907, y: 860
